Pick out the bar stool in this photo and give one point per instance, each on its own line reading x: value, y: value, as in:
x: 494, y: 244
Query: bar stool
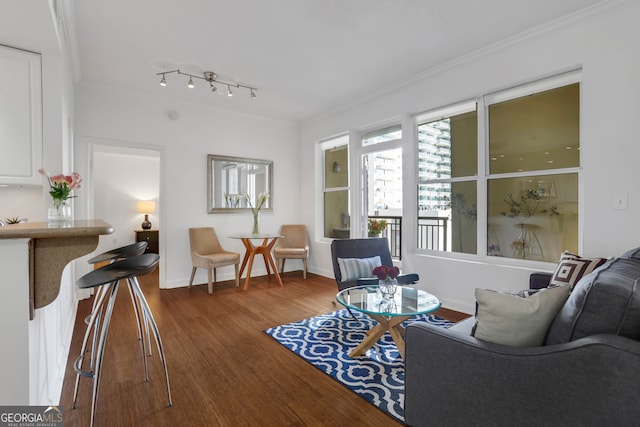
x: 111, y: 256
x: 110, y: 276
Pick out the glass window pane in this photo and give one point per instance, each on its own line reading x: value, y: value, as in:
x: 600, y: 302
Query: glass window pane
x: 336, y: 214
x: 336, y: 167
x: 448, y: 147
x: 377, y: 136
x: 384, y: 182
x: 533, y: 217
x: 447, y: 217
x: 536, y: 132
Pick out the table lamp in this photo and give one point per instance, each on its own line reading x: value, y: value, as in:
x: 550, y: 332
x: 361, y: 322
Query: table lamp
x: 146, y: 207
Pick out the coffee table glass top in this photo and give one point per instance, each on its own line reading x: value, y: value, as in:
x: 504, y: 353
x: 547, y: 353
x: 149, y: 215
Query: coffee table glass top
x: 407, y: 301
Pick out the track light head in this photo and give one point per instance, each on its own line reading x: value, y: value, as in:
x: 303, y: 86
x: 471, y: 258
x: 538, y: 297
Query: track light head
x: 163, y: 81
x: 213, y: 88
x: 229, y: 93
x: 190, y: 85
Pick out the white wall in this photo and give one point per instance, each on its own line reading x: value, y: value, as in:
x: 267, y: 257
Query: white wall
x: 603, y: 47
x: 107, y: 114
x: 22, y: 202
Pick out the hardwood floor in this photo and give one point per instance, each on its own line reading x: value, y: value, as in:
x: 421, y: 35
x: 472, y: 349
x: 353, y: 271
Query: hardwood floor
x: 223, y: 369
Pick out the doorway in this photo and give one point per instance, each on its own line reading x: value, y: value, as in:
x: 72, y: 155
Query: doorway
x: 121, y: 177
x: 382, y: 196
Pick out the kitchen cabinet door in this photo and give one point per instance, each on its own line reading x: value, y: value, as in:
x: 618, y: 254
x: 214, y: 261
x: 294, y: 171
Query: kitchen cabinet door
x: 20, y: 117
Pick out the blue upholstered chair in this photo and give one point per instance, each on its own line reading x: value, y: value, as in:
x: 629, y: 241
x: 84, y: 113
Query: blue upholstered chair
x: 342, y: 249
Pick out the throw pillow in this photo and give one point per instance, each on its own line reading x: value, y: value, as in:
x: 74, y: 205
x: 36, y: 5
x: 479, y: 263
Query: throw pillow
x: 605, y: 302
x: 516, y: 321
x: 356, y: 268
x: 572, y: 267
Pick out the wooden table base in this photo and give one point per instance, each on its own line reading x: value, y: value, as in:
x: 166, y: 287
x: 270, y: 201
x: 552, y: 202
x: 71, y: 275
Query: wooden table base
x: 391, y: 324
x: 251, y: 251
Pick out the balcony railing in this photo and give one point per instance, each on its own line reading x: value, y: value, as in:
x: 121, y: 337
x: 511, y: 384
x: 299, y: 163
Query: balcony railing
x: 432, y: 233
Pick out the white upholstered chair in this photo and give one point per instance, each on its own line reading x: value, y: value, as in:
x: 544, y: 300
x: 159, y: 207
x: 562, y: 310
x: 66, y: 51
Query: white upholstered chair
x: 293, y: 244
x: 206, y: 252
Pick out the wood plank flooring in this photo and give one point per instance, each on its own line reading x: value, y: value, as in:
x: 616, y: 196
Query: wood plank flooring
x: 223, y: 369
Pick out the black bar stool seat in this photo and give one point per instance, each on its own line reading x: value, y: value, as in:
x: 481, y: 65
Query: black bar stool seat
x: 129, y: 267
x: 128, y: 251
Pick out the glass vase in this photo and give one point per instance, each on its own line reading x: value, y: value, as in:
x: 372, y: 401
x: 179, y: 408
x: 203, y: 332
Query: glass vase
x: 59, y: 211
x: 256, y: 222
x: 388, y: 287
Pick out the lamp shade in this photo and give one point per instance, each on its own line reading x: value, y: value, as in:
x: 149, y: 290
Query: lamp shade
x: 146, y: 206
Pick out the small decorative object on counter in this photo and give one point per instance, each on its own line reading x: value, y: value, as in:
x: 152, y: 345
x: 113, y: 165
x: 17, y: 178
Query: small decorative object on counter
x: 60, y: 188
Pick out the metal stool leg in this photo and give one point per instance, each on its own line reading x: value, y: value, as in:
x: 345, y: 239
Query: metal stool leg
x: 152, y: 322
x: 113, y: 288
x: 94, y: 319
x: 141, y: 319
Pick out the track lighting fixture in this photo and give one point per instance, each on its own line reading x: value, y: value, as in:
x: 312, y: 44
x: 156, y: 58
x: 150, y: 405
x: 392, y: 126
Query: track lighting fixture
x: 211, y: 77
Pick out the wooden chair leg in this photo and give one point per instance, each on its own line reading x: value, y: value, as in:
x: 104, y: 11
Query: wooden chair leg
x: 193, y: 273
x: 210, y: 285
x: 282, y: 263
x: 215, y: 277
x: 304, y: 269
x: 237, y: 276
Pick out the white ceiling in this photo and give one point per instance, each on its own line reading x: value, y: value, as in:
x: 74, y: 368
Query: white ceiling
x: 306, y: 57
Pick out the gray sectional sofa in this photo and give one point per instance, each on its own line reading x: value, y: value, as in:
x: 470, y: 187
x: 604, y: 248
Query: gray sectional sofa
x: 586, y: 374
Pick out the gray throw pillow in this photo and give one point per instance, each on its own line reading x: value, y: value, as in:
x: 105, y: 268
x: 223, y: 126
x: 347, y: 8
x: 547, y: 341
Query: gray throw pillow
x: 605, y: 301
x: 516, y: 321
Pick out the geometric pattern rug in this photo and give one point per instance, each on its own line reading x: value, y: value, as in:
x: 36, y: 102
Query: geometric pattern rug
x: 326, y: 340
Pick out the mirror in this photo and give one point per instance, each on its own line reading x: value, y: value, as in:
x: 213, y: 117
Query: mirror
x: 230, y: 179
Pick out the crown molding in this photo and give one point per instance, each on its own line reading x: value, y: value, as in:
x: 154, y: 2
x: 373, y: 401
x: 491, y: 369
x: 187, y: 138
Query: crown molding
x: 63, y: 15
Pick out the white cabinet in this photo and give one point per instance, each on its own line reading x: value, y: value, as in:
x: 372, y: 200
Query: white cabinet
x: 20, y: 117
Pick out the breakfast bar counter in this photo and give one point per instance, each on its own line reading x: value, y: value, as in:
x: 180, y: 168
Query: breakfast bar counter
x: 36, y: 315
x: 51, y: 247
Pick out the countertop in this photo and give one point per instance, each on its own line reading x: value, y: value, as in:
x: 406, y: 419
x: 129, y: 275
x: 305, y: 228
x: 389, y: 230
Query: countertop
x: 44, y: 230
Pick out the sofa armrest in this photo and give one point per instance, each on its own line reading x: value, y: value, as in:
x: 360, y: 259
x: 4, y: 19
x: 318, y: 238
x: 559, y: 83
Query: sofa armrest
x: 539, y: 280
x: 454, y: 379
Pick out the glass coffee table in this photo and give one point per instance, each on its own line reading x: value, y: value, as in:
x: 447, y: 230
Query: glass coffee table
x: 389, y: 313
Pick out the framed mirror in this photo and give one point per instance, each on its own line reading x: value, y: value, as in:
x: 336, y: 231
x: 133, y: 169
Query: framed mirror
x: 234, y: 182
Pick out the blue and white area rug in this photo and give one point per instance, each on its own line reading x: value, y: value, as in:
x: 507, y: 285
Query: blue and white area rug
x: 326, y: 340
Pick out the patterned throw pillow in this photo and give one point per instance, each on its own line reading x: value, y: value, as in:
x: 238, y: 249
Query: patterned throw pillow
x: 572, y: 267
x: 357, y: 268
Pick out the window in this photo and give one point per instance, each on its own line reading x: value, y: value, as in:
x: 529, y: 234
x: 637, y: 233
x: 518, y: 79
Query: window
x: 524, y: 155
x: 336, y: 187
x: 447, y: 179
x: 532, y: 188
